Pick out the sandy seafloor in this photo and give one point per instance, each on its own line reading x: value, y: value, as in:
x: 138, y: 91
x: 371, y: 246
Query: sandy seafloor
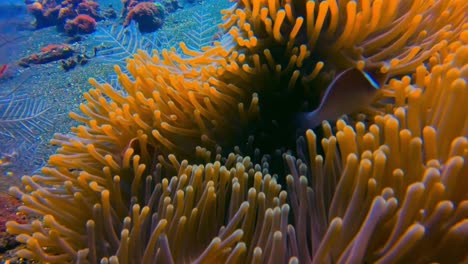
x: 56, y: 91
x: 52, y: 92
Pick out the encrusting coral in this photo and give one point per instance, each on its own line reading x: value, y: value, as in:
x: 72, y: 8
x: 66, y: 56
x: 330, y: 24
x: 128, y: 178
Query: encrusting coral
x: 389, y: 187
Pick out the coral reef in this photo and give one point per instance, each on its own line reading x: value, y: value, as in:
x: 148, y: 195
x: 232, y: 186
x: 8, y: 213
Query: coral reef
x: 82, y: 24
x: 55, y: 13
x: 149, y: 176
x: 168, y: 6
x: 149, y: 16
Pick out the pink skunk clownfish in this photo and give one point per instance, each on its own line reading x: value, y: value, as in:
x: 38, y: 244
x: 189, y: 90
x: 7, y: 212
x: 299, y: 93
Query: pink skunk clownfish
x: 350, y: 91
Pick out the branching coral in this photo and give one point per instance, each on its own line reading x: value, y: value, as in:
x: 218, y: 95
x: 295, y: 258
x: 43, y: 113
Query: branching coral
x: 391, y: 189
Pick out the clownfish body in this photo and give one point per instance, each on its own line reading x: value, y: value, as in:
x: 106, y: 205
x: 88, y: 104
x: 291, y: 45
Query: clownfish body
x: 349, y: 91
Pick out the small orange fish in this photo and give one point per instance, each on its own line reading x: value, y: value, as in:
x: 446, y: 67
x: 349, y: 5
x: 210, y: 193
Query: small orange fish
x: 350, y: 90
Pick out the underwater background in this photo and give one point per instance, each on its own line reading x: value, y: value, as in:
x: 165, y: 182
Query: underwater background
x: 36, y: 98
x: 251, y: 131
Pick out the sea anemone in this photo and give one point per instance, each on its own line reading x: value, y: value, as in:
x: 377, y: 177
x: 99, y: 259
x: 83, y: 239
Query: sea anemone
x: 394, y: 191
x: 285, y: 51
x: 388, y: 188
x: 206, y: 213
